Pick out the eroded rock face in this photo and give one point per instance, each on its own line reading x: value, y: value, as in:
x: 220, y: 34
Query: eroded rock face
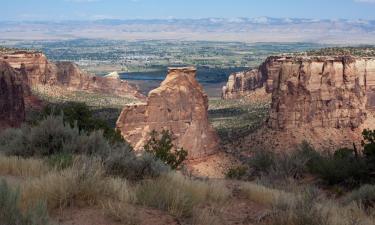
x: 242, y: 84
x: 179, y: 105
x: 316, y: 91
x: 12, y: 106
x: 320, y: 91
x: 40, y: 71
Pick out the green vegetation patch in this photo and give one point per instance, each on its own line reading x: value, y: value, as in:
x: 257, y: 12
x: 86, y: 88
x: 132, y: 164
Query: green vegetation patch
x: 234, y: 119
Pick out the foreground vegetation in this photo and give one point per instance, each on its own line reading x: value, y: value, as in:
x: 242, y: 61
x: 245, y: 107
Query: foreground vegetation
x: 53, y: 165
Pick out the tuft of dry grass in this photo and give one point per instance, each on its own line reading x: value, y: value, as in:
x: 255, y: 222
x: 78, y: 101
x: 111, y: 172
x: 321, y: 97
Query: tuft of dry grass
x: 16, y: 166
x: 81, y: 184
x: 123, y: 212
x: 179, y: 195
x: 206, y: 216
x: 261, y: 194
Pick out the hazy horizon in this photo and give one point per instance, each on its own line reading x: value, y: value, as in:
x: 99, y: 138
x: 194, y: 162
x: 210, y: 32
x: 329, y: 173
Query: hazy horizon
x: 70, y: 10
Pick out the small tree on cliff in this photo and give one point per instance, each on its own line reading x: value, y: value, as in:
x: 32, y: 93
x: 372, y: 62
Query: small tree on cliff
x: 161, y: 146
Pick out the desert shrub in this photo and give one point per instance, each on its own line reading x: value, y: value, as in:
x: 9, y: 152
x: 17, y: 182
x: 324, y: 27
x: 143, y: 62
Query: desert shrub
x: 262, y: 161
x: 365, y: 196
x: 236, y: 172
x: 11, y: 214
x: 80, y: 115
x: 52, y: 136
x: 161, y: 146
x: 284, y: 165
x: 369, y: 148
x: 61, y: 160
x: 179, y: 195
x: 124, y: 163
x: 341, y: 168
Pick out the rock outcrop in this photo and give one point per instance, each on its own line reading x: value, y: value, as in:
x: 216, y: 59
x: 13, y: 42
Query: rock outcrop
x: 325, y: 100
x: 316, y: 91
x: 242, y: 84
x: 320, y: 91
x: 12, y: 105
x: 179, y: 105
x: 40, y: 71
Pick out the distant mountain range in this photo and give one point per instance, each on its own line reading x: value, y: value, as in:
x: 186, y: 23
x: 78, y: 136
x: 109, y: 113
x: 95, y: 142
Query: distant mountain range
x: 260, y: 29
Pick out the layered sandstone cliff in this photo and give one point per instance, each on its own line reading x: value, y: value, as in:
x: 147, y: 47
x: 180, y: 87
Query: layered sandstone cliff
x: 325, y: 100
x: 320, y: 91
x: 179, y: 105
x: 40, y: 71
x: 12, y: 106
x: 242, y: 84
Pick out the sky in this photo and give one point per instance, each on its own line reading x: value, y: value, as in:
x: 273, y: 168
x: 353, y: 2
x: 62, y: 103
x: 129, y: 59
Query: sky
x: 58, y: 10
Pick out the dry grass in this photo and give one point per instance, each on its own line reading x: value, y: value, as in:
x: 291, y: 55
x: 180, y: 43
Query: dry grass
x: 207, y: 216
x: 261, y: 194
x: 81, y: 184
x: 15, y: 166
x: 179, y: 195
x: 121, y: 211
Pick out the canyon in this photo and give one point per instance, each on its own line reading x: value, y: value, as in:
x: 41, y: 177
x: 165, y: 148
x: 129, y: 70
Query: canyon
x: 178, y: 105
x: 325, y: 100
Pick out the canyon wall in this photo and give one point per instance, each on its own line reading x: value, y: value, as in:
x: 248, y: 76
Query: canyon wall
x: 179, y: 105
x: 321, y: 91
x: 40, y: 71
x: 12, y: 105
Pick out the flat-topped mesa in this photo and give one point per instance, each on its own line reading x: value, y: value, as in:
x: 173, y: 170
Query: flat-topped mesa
x: 40, y: 71
x: 12, y: 105
x: 178, y: 105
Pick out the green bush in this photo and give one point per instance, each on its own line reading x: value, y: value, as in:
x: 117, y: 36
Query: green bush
x: 50, y: 137
x: 236, y: 172
x: 10, y: 214
x: 369, y: 148
x: 81, y: 116
x: 60, y: 161
x: 124, y: 163
x: 261, y: 162
x: 341, y: 168
x: 161, y: 146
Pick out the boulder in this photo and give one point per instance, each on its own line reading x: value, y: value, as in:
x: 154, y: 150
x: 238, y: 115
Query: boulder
x: 178, y: 105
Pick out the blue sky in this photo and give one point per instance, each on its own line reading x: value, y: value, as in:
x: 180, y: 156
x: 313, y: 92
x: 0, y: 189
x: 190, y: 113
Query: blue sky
x: 148, y: 9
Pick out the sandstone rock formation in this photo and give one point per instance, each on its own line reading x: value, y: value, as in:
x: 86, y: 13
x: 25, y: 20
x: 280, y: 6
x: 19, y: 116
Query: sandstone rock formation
x: 40, y: 71
x: 12, y: 106
x: 325, y: 100
x: 179, y: 105
x: 242, y: 84
x: 320, y: 91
